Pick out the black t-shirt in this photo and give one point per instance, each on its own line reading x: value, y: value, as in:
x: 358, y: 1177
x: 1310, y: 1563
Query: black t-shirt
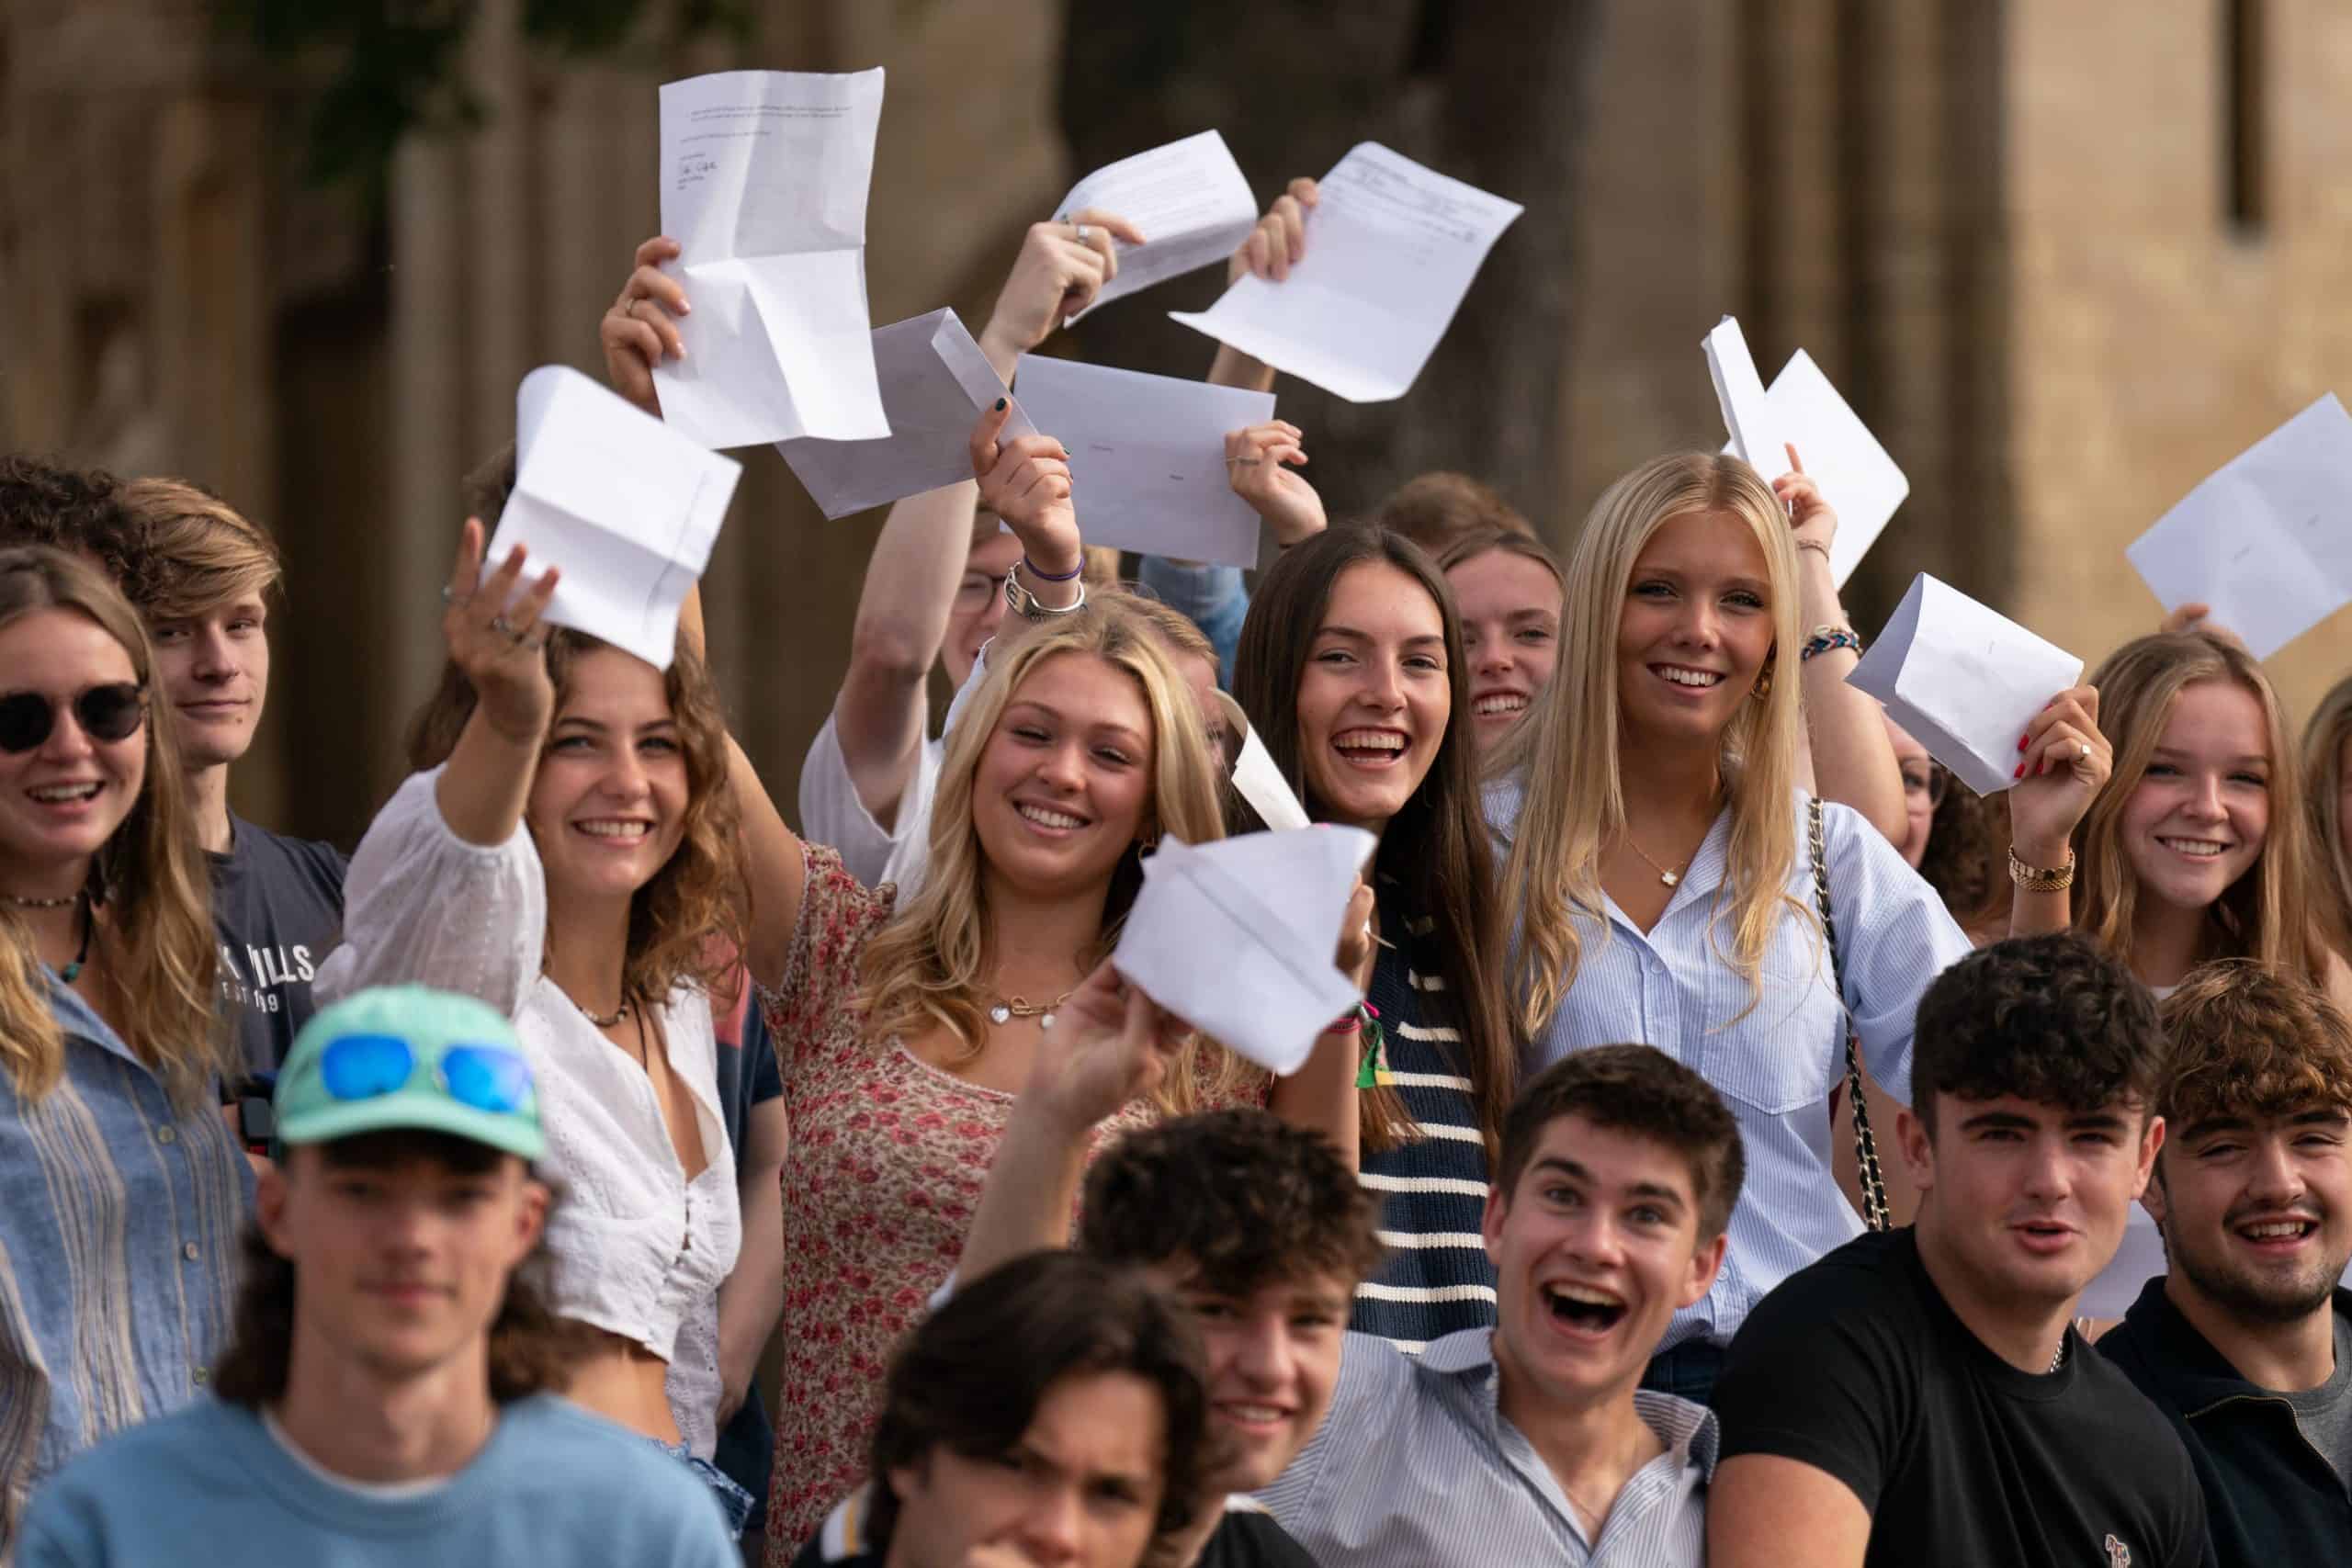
x: 1245, y: 1539
x: 279, y: 905
x: 1856, y: 1367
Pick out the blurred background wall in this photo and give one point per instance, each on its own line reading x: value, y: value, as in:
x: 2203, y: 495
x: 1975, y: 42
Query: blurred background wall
x: 2064, y: 258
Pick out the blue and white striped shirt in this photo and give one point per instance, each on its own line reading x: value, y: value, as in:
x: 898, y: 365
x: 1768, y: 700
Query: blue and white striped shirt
x: 1415, y: 1467
x: 1774, y: 1062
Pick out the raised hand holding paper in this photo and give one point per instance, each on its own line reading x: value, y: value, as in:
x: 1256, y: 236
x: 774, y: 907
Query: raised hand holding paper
x: 934, y: 382
x: 1841, y: 455
x: 2267, y: 541
x: 1964, y: 678
x: 1239, y: 938
x: 624, y: 504
x: 1390, y: 251
x: 1188, y: 198
x: 1147, y: 456
x: 764, y: 182
x: 1749, y: 414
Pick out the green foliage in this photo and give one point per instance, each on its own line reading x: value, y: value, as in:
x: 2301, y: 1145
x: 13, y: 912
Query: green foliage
x: 395, y: 66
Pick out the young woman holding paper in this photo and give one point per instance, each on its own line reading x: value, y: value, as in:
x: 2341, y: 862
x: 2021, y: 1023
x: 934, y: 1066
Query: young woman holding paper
x: 1351, y: 671
x: 1661, y: 860
x: 567, y: 852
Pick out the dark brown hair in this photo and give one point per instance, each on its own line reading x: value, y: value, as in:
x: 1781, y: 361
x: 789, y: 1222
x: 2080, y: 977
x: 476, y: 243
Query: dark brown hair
x: 1641, y: 1090
x: 1963, y: 856
x: 1436, y: 849
x: 1434, y: 509
x: 79, y: 511
x: 2245, y: 1040
x: 971, y: 1376
x: 1249, y: 1199
x: 2051, y: 1019
x: 531, y: 1350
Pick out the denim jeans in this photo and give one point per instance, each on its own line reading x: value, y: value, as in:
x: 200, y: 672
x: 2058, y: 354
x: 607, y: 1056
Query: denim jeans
x: 733, y: 1501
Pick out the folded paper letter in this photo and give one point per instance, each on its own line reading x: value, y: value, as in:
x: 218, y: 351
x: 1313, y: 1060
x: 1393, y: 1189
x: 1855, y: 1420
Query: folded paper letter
x: 626, y: 506
x: 1239, y: 938
x: 1963, y: 679
x: 1189, y: 200
x: 1855, y: 475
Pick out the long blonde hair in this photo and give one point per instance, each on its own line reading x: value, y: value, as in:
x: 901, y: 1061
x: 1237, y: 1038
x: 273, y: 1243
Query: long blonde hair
x: 2269, y: 914
x: 929, y: 967
x: 2324, y: 741
x: 1567, y: 754
x: 148, y: 877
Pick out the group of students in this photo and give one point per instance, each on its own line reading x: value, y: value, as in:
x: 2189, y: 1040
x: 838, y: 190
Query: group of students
x: 321, y: 1178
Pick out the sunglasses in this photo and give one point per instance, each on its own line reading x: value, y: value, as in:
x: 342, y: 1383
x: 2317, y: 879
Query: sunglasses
x: 105, y: 712
x: 369, y: 1066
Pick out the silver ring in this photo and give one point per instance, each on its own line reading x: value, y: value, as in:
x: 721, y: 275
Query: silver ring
x: 1081, y: 233
x: 505, y: 628
x: 449, y: 595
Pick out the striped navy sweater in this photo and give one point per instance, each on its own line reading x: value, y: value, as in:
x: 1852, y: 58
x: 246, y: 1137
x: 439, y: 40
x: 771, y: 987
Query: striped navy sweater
x: 1433, y: 1189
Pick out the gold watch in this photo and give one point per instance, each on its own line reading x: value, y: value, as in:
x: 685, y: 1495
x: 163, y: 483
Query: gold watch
x: 2035, y: 879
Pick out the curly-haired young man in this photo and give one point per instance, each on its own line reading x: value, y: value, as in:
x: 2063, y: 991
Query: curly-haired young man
x: 1917, y: 1396
x: 2246, y: 1344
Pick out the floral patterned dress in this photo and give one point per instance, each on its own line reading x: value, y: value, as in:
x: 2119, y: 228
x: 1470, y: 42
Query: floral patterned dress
x: 887, y: 1158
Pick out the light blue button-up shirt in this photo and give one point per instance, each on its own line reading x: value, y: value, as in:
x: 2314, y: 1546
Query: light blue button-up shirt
x: 1775, y: 1061
x: 121, y: 1216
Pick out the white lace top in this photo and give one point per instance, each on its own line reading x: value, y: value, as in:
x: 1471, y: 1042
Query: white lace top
x: 637, y: 1246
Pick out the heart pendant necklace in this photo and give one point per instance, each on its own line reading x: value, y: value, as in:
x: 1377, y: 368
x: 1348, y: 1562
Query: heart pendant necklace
x: 1007, y: 1009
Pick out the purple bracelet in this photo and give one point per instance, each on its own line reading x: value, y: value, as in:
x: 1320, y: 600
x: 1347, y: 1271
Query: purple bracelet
x: 1032, y: 569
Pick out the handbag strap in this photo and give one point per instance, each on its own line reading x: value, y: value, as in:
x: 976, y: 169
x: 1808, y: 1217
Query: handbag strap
x: 1874, y: 1208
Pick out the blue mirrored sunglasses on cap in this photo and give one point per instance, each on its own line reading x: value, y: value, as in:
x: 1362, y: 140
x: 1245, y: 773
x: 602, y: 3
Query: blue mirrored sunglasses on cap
x: 369, y: 1066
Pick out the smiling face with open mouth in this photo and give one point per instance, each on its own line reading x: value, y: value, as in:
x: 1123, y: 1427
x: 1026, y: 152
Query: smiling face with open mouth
x: 1695, y: 630
x: 608, y: 803
x: 63, y: 799
x: 1374, y: 697
x: 2197, y: 819
x: 1595, y: 1250
x: 1511, y: 634
x: 1065, y: 782
x: 2258, y: 1211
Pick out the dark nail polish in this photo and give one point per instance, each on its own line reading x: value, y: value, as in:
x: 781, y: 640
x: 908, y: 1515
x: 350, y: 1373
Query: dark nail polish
x: 1000, y: 405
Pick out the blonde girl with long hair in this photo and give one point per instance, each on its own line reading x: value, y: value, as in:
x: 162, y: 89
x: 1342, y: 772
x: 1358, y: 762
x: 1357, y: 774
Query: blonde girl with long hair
x: 1661, y: 855
x: 122, y: 1192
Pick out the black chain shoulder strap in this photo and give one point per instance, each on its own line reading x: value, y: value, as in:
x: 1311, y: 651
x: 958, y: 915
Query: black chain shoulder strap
x: 1874, y: 1209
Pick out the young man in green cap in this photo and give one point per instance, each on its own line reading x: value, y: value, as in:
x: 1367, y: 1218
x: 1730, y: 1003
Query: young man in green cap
x: 399, y: 1407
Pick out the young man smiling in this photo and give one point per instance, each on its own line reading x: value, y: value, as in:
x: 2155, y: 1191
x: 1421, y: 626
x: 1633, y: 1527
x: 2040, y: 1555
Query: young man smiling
x: 2247, y: 1343
x: 386, y: 1399
x: 1917, y: 1397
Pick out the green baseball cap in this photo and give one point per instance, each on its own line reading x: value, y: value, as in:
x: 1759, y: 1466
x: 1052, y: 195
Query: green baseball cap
x: 409, y: 1057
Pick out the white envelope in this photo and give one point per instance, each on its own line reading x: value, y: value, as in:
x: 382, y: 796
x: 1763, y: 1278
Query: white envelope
x: 625, y: 505
x: 1241, y: 938
x: 1391, y: 249
x: 1147, y: 456
x: 1965, y: 679
x: 1188, y: 198
x: 764, y: 182
x: 935, y: 382
x: 1755, y: 433
x: 2266, y: 540
x: 1842, y: 456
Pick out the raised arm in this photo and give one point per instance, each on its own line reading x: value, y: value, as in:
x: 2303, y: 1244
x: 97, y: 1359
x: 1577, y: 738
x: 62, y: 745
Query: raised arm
x: 1273, y: 247
x: 1851, y: 758
x: 1323, y: 1095
x: 495, y: 638
x: 1110, y: 1046
x: 2063, y: 762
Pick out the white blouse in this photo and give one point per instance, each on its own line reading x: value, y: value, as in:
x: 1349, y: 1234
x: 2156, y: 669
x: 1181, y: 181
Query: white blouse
x: 636, y: 1244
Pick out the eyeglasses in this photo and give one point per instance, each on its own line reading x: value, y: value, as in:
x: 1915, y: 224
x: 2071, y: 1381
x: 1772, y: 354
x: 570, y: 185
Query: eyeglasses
x: 368, y: 1067
x: 105, y: 712
x: 1928, y: 779
x: 977, y: 589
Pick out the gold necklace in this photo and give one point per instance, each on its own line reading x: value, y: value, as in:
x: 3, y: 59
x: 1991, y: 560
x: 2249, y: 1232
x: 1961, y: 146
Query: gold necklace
x: 1668, y: 877
x: 1007, y: 1009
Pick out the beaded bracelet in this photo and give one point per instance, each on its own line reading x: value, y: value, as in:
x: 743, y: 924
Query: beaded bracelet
x: 1825, y: 638
x: 1043, y: 576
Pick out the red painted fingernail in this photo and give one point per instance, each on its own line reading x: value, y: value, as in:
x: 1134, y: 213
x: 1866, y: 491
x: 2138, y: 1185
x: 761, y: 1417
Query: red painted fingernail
x: 2022, y: 740
x: 2020, y: 772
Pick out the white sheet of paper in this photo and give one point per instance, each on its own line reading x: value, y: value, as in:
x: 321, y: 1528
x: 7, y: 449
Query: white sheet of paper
x: 1856, y: 475
x: 1239, y: 938
x: 764, y: 182
x: 2266, y: 540
x: 626, y: 506
x: 934, y: 383
x: 1147, y: 456
x: 1390, y: 251
x: 1963, y: 679
x: 1259, y: 782
x: 1755, y: 425
x: 1190, y: 202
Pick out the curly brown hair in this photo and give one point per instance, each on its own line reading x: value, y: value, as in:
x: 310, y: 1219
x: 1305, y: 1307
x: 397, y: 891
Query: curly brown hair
x: 1246, y: 1198
x: 2053, y: 1019
x: 1641, y: 1090
x: 1964, y: 854
x: 531, y: 1350
x: 2247, y: 1041
x: 698, y: 894
x: 79, y: 511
